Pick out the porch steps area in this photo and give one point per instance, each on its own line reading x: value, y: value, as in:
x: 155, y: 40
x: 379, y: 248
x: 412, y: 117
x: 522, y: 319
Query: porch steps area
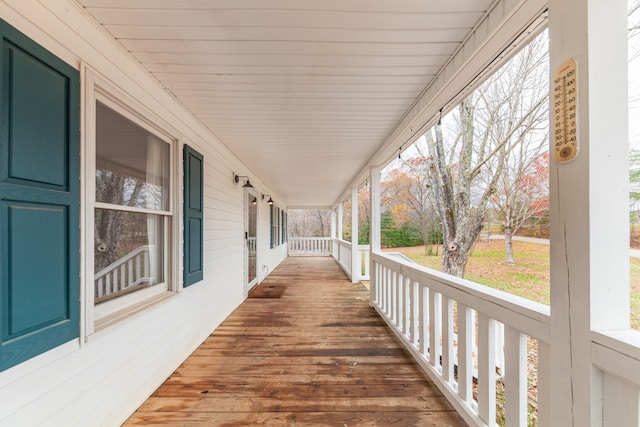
x: 304, y: 349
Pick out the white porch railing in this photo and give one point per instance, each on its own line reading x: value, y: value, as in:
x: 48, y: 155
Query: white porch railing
x: 309, y: 246
x: 342, y: 254
x: 439, y: 319
x: 341, y: 251
x: 365, y: 262
x: 131, y: 270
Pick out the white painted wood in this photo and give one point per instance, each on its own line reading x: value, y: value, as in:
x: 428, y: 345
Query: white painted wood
x: 413, y: 312
x: 290, y: 56
x: 75, y: 386
x: 309, y: 246
x: 344, y: 256
x: 423, y: 320
x: 405, y: 308
x: 355, y: 259
x: 435, y: 332
x: 397, y: 292
x: 525, y: 315
x: 621, y: 402
x: 447, y: 339
x: 515, y: 378
x: 589, y: 265
x: 486, y: 369
x: 492, y: 34
x: 465, y: 345
x: 340, y: 221
x: 365, y: 261
x: 435, y: 328
x: 544, y: 383
x: 375, y: 203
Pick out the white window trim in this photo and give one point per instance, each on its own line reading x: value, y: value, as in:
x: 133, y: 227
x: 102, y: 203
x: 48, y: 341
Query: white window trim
x: 97, y: 88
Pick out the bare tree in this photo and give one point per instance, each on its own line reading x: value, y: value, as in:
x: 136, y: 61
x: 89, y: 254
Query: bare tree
x: 309, y: 222
x: 491, y: 125
x: 520, y: 182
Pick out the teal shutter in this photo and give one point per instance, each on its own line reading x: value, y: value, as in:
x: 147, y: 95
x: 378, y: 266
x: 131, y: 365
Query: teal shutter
x: 271, y: 240
x: 193, y: 218
x: 39, y: 199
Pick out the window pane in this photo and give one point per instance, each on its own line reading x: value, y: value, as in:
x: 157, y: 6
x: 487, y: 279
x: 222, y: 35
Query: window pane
x: 128, y: 252
x: 132, y: 165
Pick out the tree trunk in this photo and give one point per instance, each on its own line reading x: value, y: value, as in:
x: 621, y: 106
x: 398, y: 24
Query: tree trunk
x: 454, y: 259
x: 508, y: 242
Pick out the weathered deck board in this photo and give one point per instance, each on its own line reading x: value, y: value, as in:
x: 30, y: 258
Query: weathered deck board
x: 315, y: 355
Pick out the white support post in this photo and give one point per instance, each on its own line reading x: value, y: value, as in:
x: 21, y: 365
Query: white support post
x: 374, y: 228
x: 355, y: 254
x: 334, y: 229
x: 340, y: 220
x: 589, y: 204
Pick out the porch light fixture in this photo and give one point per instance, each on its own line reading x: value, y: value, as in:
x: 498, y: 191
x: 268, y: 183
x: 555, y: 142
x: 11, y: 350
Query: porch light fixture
x: 254, y: 201
x: 247, y: 183
x: 270, y: 201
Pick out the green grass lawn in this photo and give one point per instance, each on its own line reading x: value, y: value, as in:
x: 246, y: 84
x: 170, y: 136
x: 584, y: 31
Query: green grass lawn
x: 529, y: 278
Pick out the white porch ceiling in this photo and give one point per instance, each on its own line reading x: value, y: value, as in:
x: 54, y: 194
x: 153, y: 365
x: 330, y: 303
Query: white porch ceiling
x: 304, y: 92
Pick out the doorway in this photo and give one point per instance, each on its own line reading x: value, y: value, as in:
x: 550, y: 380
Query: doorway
x: 251, y: 240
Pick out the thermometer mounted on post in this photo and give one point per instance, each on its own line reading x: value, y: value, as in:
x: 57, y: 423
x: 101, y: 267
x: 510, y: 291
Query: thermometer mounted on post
x: 565, y: 111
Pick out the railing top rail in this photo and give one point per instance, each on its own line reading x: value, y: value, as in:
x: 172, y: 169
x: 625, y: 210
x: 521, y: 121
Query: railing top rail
x: 309, y: 238
x: 343, y: 243
x: 618, y: 353
x: 529, y: 317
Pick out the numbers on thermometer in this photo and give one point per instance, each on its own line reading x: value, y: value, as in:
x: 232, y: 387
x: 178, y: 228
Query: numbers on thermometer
x: 565, y: 105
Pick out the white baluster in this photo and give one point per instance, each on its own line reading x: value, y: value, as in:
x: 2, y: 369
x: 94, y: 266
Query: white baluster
x: 544, y: 384
x: 423, y: 314
x: 515, y: 377
x: 435, y: 328
x: 413, y: 325
x: 398, y: 314
x: 486, y: 369
x: 447, y: 339
x: 465, y: 358
x: 405, y: 305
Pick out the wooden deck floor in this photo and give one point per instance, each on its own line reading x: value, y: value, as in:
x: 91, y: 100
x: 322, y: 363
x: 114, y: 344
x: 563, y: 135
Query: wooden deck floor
x: 305, y: 348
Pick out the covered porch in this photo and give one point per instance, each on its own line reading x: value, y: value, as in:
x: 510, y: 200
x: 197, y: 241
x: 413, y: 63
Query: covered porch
x: 240, y: 111
x: 305, y: 347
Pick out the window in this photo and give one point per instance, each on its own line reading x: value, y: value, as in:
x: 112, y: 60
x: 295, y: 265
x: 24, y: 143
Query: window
x: 275, y: 227
x: 129, y: 174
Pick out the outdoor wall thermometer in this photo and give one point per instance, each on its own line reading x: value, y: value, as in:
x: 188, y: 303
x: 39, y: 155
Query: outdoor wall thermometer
x: 565, y: 109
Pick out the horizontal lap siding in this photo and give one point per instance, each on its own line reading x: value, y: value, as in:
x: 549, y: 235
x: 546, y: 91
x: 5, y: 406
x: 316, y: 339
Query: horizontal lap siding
x: 105, y: 380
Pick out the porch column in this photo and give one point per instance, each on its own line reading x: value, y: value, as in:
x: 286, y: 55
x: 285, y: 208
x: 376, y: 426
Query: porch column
x: 333, y: 223
x: 375, y: 209
x: 356, y: 268
x: 589, y: 205
x: 340, y: 219
x: 374, y: 230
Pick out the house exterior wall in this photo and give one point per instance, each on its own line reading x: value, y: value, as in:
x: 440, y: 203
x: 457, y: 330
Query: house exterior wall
x: 100, y: 380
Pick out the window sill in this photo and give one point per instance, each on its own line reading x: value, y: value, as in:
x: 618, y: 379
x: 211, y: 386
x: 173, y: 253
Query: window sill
x: 131, y: 310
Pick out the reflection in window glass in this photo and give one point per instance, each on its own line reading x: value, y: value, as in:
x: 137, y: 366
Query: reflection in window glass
x: 128, y: 252
x: 132, y: 165
x: 132, y: 173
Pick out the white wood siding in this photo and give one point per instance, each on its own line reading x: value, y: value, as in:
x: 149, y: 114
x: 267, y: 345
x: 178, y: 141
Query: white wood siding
x: 105, y: 379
